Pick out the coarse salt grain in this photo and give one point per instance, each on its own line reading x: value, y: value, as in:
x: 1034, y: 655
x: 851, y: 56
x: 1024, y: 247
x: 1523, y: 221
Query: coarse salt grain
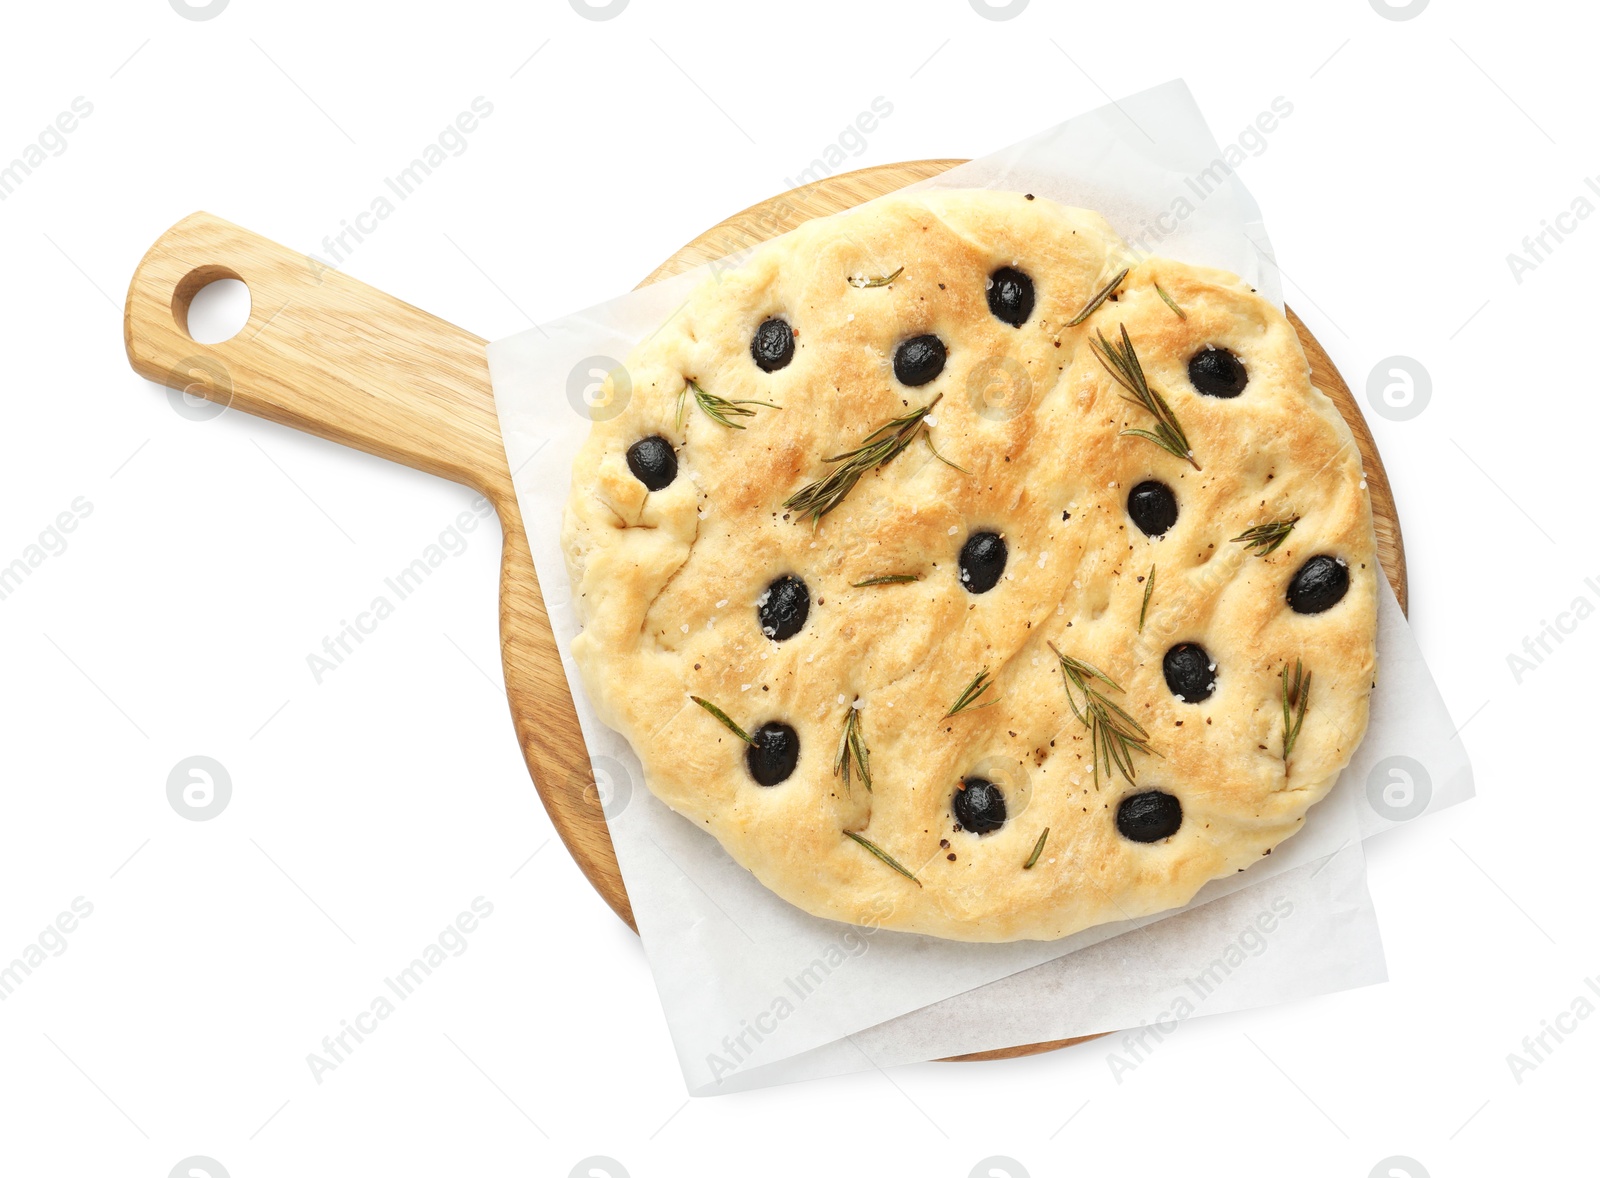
x: 953, y: 530
x: 744, y: 687
x: 723, y: 604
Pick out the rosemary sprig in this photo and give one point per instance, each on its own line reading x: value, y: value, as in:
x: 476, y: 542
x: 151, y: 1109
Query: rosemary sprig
x: 888, y: 441
x: 1105, y: 293
x: 1266, y: 538
x: 718, y: 409
x: 1038, y: 849
x: 1123, y: 365
x: 869, y: 283
x: 723, y: 716
x: 853, y: 747
x: 1167, y: 299
x: 1114, y: 736
x: 889, y: 579
x: 882, y: 854
x: 969, y: 698
x: 1296, y: 696
x: 1149, y: 588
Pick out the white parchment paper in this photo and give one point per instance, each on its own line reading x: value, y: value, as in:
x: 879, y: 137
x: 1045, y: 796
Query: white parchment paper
x: 756, y: 991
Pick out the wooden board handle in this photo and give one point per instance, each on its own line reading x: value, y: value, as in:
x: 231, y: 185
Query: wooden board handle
x: 334, y: 357
x: 320, y: 352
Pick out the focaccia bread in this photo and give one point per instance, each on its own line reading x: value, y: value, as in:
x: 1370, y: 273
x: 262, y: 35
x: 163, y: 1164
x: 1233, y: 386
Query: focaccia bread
x: 964, y: 575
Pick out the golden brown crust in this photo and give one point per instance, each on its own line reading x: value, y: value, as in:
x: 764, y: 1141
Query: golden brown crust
x: 667, y: 582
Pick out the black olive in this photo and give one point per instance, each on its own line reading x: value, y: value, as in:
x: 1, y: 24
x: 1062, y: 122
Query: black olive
x: 772, y: 346
x: 979, y: 806
x: 772, y: 753
x: 783, y: 608
x: 983, y: 559
x: 1011, y: 296
x: 1153, y: 507
x: 652, y: 461
x: 919, y: 360
x: 1191, y: 675
x: 1320, y: 584
x: 1217, y: 372
x: 1149, y: 817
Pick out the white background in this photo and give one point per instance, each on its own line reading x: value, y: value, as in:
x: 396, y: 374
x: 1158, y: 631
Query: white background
x: 369, y: 810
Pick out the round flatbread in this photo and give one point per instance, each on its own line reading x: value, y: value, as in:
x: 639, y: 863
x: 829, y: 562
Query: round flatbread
x: 964, y: 575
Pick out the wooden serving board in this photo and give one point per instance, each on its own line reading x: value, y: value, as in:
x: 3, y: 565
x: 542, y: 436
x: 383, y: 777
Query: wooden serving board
x: 342, y: 360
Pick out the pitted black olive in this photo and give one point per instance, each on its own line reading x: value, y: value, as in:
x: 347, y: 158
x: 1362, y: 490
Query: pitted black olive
x: 652, y: 461
x: 772, y: 346
x: 783, y: 608
x: 1010, y: 296
x: 1149, y: 817
x: 1190, y: 673
x: 773, y: 751
x: 1320, y: 584
x: 1217, y: 372
x: 979, y: 805
x: 919, y: 360
x: 1153, y: 507
x: 982, y: 560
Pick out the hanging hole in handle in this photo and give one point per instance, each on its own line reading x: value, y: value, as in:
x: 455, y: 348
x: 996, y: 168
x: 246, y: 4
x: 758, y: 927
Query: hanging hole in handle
x: 211, y: 305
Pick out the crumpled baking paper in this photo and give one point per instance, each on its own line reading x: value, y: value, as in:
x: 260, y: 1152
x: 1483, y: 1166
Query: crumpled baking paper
x: 757, y: 992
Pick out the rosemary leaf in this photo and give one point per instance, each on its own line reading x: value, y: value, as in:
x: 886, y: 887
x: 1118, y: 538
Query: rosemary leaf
x: 928, y: 438
x: 882, y: 854
x: 1120, y: 360
x: 1038, y: 849
x: 1167, y: 299
x: 1105, y: 293
x: 1149, y: 588
x: 869, y: 283
x: 980, y: 684
x: 1296, y: 697
x: 723, y: 716
x: 888, y: 441
x: 1114, y: 736
x: 853, y: 748
x: 719, y: 409
x: 889, y: 579
x: 1266, y: 538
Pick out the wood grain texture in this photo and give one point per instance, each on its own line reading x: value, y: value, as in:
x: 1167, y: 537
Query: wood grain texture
x: 339, y: 359
x: 342, y: 360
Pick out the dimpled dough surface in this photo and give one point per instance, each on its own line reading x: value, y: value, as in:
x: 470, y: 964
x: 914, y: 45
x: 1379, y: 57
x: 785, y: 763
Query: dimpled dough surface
x: 669, y: 582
